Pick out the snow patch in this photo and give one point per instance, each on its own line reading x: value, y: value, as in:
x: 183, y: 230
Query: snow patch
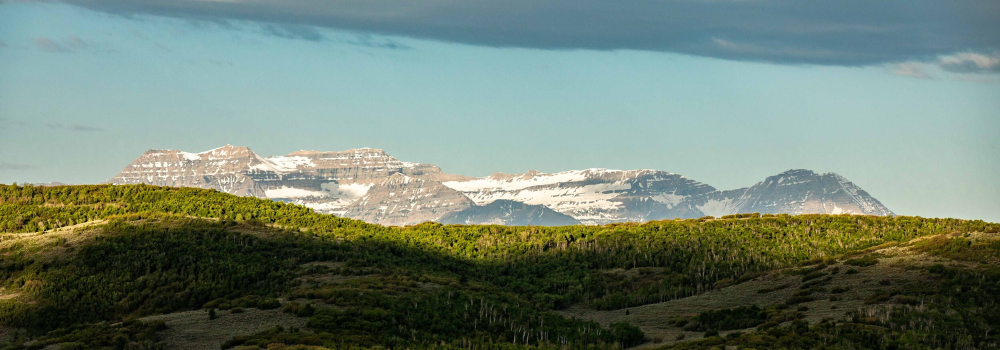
x: 518, y: 182
x: 190, y: 156
x: 717, y: 208
x: 837, y: 210
x: 670, y: 199
x: 353, y: 191
x: 290, y: 163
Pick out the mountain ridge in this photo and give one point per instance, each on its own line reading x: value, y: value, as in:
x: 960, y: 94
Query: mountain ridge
x: 371, y: 185
x: 508, y: 212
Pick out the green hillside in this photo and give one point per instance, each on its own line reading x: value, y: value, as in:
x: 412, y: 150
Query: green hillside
x: 123, y: 267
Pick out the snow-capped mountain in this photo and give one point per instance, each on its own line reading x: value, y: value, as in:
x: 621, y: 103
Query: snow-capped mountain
x: 592, y: 196
x: 328, y: 182
x: 793, y: 191
x: 401, y: 199
x: 230, y: 169
x: 370, y: 185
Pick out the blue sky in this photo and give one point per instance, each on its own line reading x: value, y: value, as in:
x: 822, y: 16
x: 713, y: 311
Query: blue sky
x: 83, y: 91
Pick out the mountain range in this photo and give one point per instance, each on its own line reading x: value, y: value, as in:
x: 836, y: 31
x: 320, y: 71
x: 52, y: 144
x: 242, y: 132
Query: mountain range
x: 370, y: 185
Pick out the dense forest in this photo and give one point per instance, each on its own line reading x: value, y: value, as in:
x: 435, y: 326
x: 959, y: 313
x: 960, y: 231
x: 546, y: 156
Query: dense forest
x: 143, y: 250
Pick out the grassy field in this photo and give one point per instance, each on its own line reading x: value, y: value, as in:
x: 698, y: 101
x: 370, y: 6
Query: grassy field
x: 897, y: 268
x: 194, y: 330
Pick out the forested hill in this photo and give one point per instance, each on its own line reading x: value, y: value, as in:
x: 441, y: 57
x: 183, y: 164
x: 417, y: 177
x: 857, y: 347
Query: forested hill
x: 74, y: 258
x: 35, y: 209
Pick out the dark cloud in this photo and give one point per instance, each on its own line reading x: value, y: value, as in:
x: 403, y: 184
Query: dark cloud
x: 15, y: 166
x: 72, y: 127
x: 837, y: 32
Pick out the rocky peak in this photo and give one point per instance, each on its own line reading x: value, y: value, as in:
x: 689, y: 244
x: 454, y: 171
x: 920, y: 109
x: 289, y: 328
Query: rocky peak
x: 794, y: 191
x: 222, y: 168
x: 592, y: 196
x: 401, y: 200
x: 229, y: 151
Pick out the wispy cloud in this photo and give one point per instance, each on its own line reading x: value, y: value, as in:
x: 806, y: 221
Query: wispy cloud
x: 7, y: 122
x: 210, y: 61
x: 911, y: 69
x: 4, y: 166
x: 72, y: 127
x: 366, y: 40
x: 47, y: 45
x: 294, y: 32
x: 71, y: 44
x: 141, y: 36
x: 979, y: 78
x: 826, y: 32
x: 971, y: 62
x: 310, y: 33
x: 74, y: 43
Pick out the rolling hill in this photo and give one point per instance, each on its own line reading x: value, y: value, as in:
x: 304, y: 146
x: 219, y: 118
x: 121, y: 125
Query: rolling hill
x: 147, y: 267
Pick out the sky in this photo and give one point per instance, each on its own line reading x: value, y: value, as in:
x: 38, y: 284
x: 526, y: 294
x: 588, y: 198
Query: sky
x: 902, y: 98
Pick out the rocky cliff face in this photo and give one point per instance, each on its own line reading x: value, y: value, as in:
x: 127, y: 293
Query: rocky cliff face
x: 230, y: 169
x: 370, y: 185
x: 328, y: 182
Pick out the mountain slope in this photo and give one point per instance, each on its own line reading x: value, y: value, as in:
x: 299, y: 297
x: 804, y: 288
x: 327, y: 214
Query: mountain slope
x: 328, y: 182
x: 511, y: 213
x: 371, y: 185
x: 401, y: 200
x: 230, y: 169
x: 592, y: 196
x: 793, y: 191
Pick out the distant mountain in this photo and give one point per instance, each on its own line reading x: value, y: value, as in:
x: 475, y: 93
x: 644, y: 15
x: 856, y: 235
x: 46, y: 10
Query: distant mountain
x: 592, y: 196
x: 329, y: 182
x: 401, y: 199
x: 793, y: 191
x: 46, y: 184
x: 511, y: 213
x: 370, y: 185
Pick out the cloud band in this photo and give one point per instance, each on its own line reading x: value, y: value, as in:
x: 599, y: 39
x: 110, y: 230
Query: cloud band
x: 828, y: 32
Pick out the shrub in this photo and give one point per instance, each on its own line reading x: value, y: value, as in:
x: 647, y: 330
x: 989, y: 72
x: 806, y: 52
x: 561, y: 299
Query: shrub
x: 865, y: 261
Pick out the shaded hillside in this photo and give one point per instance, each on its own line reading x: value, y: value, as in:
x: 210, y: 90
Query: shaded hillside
x: 510, y: 213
